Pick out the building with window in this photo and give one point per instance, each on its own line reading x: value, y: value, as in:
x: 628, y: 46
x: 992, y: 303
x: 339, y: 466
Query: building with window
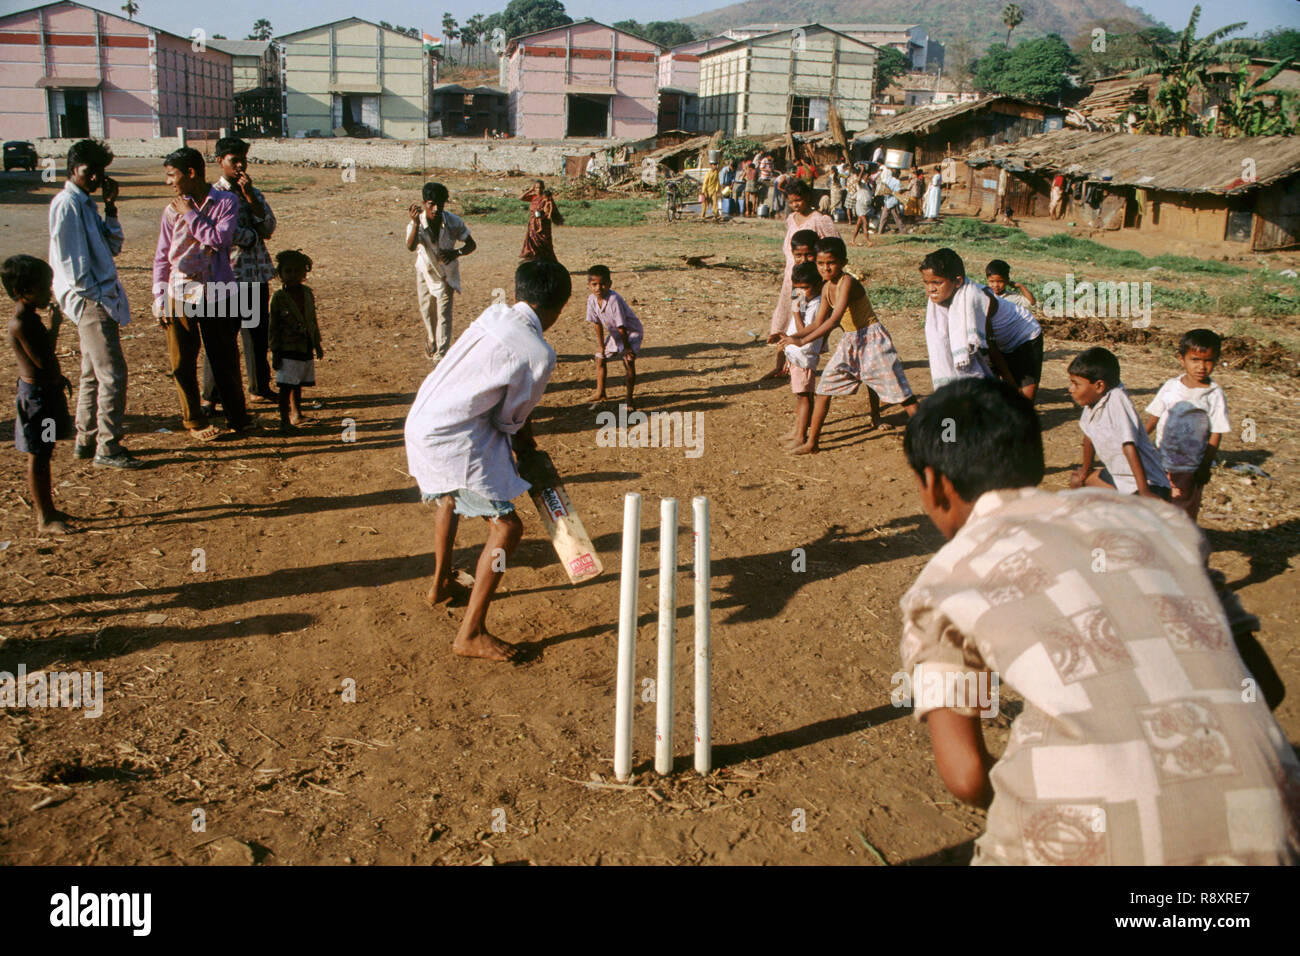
x: 679, y: 84
x: 909, y: 39
x: 787, y: 80
x: 469, y: 110
x: 73, y: 71
x: 584, y: 80
x: 355, y: 76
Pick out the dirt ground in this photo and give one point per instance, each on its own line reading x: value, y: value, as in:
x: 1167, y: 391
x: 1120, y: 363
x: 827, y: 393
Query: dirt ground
x: 223, y: 686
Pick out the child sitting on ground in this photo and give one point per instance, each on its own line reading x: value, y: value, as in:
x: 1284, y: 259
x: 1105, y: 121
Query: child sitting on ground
x: 1015, y: 341
x: 997, y: 276
x: 42, y: 403
x: 1111, y: 431
x: 807, y: 284
x: 618, y: 332
x: 865, y: 354
x: 1136, y: 744
x: 293, y: 336
x: 459, y: 433
x: 956, y: 319
x: 1190, y: 417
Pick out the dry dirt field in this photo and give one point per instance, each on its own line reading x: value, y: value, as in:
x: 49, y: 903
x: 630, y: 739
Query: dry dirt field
x: 223, y: 687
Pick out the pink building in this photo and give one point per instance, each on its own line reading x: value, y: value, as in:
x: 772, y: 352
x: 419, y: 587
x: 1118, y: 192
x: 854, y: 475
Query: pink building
x: 72, y: 71
x: 680, y: 66
x: 586, y: 80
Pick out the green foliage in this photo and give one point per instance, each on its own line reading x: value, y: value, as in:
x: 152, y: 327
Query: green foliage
x: 1036, y: 68
x: 739, y: 149
x: 1012, y: 17
x: 508, y: 210
x: 666, y: 33
x: 1120, y: 46
x: 1248, y: 110
x: 890, y: 65
x: 1280, y: 44
x: 521, y: 17
x: 261, y: 30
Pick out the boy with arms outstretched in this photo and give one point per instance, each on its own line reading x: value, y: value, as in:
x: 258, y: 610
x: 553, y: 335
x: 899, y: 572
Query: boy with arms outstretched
x: 42, y: 408
x: 459, y: 434
x: 865, y: 354
x: 1136, y: 744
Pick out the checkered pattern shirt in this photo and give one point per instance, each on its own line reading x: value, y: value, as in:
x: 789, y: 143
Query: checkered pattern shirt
x: 248, y: 256
x: 1140, y: 742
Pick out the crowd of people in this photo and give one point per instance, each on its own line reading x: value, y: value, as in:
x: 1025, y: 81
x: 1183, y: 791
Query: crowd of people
x: 1137, y: 743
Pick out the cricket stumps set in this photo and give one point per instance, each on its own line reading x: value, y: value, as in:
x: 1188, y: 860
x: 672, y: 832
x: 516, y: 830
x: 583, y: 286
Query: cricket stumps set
x: 627, y: 621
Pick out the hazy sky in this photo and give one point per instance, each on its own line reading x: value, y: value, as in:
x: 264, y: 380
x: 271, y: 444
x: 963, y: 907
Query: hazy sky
x: 236, y: 16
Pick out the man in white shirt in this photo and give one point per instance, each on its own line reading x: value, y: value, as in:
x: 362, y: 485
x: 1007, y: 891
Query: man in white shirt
x: 89, y: 292
x: 459, y: 433
x: 432, y: 235
x: 887, y: 186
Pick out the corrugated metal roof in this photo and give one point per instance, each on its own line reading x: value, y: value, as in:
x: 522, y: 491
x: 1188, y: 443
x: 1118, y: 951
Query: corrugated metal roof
x: 1190, y: 164
x: 923, y: 118
x: 239, y: 47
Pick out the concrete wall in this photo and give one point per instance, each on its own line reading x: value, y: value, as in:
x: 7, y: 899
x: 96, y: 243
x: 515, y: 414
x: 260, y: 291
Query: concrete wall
x: 535, y: 159
x: 195, y: 89
x: 584, y: 58
x: 334, y: 57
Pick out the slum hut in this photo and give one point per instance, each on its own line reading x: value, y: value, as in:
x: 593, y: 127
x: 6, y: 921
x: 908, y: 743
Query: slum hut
x: 585, y: 80
x: 469, y: 110
x: 792, y: 80
x: 932, y: 134
x: 1182, y: 187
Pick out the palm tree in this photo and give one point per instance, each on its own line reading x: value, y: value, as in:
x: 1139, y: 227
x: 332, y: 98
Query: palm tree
x: 1012, y: 16
x: 261, y: 30
x: 449, y: 27
x: 130, y: 8
x: 1185, y: 68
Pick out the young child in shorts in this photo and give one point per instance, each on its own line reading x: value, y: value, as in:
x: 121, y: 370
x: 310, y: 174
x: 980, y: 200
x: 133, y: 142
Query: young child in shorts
x: 618, y: 332
x: 468, y: 422
x: 1135, y: 744
x: 43, y: 390
x: 997, y: 276
x: 1112, y: 432
x: 293, y: 336
x: 865, y: 354
x: 956, y: 320
x: 806, y: 282
x: 1190, y: 417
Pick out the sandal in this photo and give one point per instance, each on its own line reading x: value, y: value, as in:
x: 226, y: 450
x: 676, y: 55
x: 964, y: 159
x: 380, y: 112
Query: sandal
x: 210, y: 433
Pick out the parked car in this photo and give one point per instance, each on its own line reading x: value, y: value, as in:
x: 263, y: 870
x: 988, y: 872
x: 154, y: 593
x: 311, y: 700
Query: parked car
x: 20, y: 154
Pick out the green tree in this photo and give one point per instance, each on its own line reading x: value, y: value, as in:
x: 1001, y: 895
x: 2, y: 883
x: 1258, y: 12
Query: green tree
x: 1012, y: 16
x: 528, y: 16
x: 1186, y: 68
x: 261, y: 30
x: 1119, y: 45
x: 130, y: 8
x: 1037, y: 69
x: 1280, y: 44
x: 449, y: 27
x: 1250, y: 110
x: 890, y: 65
x: 666, y: 33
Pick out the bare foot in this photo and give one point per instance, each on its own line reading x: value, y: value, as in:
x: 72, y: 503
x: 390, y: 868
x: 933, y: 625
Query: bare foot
x: 55, y: 525
x: 454, y: 590
x: 805, y: 449
x: 484, y: 645
x: 299, y: 421
x: 882, y: 427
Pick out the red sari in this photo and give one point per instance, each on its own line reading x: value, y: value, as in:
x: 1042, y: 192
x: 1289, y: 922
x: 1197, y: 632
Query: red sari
x: 537, y: 240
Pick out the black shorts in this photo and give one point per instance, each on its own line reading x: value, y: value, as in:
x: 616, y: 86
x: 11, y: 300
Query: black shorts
x: 1026, y: 362
x: 42, y: 418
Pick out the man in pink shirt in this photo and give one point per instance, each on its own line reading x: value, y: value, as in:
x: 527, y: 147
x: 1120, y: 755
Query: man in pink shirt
x: 195, y: 296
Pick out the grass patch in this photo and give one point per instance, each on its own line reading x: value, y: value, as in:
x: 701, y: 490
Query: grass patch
x: 284, y: 184
x: 953, y: 230
x: 508, y: 210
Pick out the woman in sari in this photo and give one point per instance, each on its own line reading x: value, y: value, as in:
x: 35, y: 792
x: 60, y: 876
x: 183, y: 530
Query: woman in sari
x: 542, y: 211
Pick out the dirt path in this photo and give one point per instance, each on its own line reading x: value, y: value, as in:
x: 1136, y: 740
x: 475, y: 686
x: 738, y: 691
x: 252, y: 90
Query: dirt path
x: 223, y: 686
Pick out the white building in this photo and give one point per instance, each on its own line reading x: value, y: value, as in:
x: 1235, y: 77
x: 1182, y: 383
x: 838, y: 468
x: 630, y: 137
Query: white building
x: 787, y: 79
x: 909, y: 39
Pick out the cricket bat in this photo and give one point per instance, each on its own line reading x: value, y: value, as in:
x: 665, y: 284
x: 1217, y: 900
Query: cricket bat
x: 569, y: 537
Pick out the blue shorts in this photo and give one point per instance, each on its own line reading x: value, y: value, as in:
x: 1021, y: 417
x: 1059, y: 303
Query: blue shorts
x: 470, y: 504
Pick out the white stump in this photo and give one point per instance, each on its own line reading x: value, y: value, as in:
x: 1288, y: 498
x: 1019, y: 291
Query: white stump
x: 703, y: 715
x: 627, y: 608
x: 667, y: 626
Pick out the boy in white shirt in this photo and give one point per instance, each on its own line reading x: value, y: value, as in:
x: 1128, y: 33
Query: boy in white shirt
x: 1111, y: 431
x: 1190, y: 417
x: 806, y: 282
x: 459, y: 433
x: 432, y: 235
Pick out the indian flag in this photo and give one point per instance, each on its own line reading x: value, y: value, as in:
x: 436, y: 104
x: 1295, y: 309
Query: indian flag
x: 431, y: 43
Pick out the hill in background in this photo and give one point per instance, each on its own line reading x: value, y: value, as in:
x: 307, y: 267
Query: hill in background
x: 945, y: 20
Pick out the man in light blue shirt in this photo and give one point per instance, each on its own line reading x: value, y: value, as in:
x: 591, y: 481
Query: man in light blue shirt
x: 82, y: 247
x: 888, y: 185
